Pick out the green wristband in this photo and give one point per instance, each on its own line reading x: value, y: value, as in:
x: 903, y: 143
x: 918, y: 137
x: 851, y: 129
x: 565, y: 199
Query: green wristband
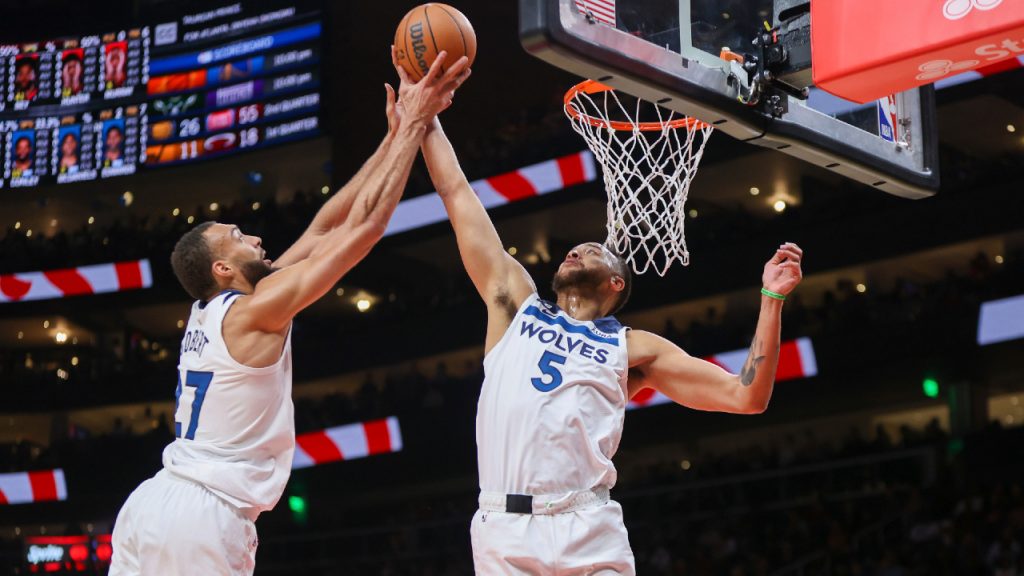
x: 771, y: 294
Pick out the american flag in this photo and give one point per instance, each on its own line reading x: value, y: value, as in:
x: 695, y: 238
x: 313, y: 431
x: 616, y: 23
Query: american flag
x: 602, y: 10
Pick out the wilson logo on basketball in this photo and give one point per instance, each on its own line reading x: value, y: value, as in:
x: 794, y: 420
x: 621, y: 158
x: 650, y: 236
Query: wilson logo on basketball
x: 419, y: 48
x: 957, y: 9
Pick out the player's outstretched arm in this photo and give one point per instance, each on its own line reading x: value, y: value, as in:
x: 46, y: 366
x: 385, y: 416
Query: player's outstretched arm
x: 279, y: 296
x: 498, y: 277
x: 659, y: 364
x: 493, y: 271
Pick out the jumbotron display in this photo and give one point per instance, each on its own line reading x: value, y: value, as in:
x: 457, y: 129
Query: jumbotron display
x: 231, y: 78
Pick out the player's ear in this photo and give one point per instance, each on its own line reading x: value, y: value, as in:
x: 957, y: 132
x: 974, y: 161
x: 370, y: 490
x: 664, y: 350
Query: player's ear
x: 618, y: 284
x: 222, y: 269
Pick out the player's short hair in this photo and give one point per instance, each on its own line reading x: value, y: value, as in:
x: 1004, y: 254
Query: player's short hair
x: 621, y: 268
x: 72, y: 56
x: 192, y: 260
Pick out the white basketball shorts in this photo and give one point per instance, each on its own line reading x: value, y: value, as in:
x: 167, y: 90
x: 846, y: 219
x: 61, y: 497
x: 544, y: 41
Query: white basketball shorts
x: 588, y: 541
x: 171, y: 526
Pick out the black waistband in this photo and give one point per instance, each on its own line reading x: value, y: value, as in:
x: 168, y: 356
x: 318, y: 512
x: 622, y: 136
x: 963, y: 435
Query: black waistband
x: 519, y: 503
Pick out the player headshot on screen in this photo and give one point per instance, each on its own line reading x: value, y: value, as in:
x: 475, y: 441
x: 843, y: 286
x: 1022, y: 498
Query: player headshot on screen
x: 113, y: 66
x: 234, y: 422
x: 26, y: 79
x: 558, y: 376
x: 69, y: 153
x: 71, y: 74
x: 113, y: 146
x: 23, y: 156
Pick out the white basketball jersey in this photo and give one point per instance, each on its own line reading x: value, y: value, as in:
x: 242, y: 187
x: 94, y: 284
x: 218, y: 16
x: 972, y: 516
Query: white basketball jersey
x: 234, y: 424
x: 552, y: 404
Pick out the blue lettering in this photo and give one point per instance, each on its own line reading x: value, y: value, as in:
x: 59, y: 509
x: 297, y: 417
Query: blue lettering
x: 574, y: 344
x: 558, y: 343
x: 587, y: 351
x: 601, y: 356
x: 550, y: 334
x: 531, y: 328
x: 194, y: 341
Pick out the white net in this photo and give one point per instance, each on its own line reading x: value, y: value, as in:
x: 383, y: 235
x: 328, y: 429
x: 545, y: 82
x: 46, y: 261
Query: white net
x: 648, y: 167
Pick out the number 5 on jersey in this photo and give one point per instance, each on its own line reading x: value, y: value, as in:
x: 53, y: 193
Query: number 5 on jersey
x: 201, y: 382
x: 547, y: 369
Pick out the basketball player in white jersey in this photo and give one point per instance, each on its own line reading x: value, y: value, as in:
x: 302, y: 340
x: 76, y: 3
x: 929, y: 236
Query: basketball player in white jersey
x: 557, y: 379
x: 234, y: 428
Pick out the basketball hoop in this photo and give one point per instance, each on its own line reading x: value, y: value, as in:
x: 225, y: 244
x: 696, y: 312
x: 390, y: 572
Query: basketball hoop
x: 648, y: 167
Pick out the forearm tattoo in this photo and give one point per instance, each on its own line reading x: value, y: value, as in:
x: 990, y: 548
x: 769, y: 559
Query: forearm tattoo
x: 749, y: 371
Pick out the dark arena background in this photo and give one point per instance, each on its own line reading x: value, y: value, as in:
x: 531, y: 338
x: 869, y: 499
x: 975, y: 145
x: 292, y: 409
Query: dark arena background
x: 893, y: 444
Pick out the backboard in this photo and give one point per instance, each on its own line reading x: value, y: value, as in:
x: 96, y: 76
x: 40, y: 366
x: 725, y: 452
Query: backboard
x: 670, y: 52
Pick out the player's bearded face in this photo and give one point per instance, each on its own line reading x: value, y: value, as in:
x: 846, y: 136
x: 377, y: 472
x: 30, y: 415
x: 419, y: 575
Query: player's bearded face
x: 587, y: 278
x: 255, y: 270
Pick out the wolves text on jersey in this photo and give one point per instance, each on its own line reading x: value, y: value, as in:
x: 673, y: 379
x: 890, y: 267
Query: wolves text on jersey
x: 564, y: 342
x: 194, y: 341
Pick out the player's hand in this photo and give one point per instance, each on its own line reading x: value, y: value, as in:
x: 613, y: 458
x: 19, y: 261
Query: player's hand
x: 782, y: 273
x: 433, y: 93
x: 392, y: 109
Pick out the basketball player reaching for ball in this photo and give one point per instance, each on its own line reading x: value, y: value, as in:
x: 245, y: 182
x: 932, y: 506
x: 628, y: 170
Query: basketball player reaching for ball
x: 234, y: 427
x: 557, y: 379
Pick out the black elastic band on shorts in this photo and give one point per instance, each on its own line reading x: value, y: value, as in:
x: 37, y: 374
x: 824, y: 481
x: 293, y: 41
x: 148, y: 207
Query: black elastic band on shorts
x: 519, y: 503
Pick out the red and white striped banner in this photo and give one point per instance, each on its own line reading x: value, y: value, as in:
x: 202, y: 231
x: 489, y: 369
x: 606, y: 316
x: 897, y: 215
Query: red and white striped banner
x: 347, y: 442
x: 543, y: 178
x: 796, y: 360
x: 97, y: 279
x: 28, y: 487
x: 602, y: 10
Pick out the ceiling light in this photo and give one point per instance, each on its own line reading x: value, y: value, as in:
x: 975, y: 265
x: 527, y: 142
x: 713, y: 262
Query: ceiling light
x: 191, y: 219
x: 512, y: 250
x: 17, y: 225
x: 46, y: 324
x: 999, y: 258
x: 862, y: 288
x: 779, y: 205
x: 60, y: 337
x: 693, y: 213
x: 74, y: 360
x: 1011, y: 128
x: 21, y: 335
x: 181, y: 324
x: 255, y: 206
x: 325, y: 190
x: 340, y: 291
x: 91, y: 220
x: 214, y: 206
x: 127, y: 198
x: 175, y: 212
x: 754, y: 190
x: 363, y: 304
x: 28, y: 233
x: 53, y: 223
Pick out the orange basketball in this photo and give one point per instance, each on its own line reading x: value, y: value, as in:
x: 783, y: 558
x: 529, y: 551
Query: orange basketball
x: 428, y: 29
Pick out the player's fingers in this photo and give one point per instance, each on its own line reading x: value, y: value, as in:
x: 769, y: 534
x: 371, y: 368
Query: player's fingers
x: 403, y: 76
x: 455, y: 70
x: 390, y: 106
x: 435, y: 68
x: 793, y: 246
x: 790, y: 254
x: 457, y: 81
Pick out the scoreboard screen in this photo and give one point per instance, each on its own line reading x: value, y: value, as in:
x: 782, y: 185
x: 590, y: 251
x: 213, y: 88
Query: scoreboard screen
x: 230, y: 78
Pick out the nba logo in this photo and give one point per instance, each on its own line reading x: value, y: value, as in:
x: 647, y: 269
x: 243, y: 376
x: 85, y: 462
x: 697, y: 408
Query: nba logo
x: 888, y: 119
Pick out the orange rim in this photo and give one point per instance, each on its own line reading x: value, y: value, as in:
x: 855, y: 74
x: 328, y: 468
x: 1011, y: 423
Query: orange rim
x: 594, y: 87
